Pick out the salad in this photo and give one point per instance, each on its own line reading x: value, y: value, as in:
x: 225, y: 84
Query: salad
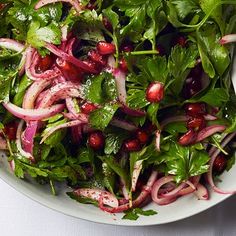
x: 127, y: 102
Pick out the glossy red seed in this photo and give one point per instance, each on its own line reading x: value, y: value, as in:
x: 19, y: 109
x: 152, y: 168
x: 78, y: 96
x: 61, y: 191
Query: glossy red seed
x: 107, y: 24
x: 105, y: 48
x: 195, y: 109
x: 97, y: 58
x: 88, y: 107
x: 96, y: 140
x: 123, y: 65
x: 196, y: 123
x: 10, y: 130
x: 132, y: 145
x: 70, y: 71
x: 45, y: 63
x: 220, y: 164
x: 142, y: 136
x: 188, y: 138
x: 155, y: 92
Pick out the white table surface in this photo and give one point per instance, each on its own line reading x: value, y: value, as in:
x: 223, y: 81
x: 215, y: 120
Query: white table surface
x: 20, y: 216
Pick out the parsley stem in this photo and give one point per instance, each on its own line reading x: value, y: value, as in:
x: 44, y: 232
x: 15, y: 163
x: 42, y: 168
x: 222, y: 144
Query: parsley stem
x: 143, y: 52
x: 52, y: 187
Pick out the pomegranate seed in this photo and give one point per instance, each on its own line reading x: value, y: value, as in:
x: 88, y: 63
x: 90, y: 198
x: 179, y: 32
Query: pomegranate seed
x: 188, y: 138
x: 45, y: 63
x: 107, y: 24
x: 142, y: 136
x: 123, y: 65
x: 97, y: 58
x: 88, y: 107
x: 132, y: 145
x: 196, y: 123
x: 195, y: 109
x: 127, y: 47
x: 155, y: 92
x: 69, y: 70
x: 10, y: 130
x: 96, y: 140
x: 105, y: 48
x: 193, y: 83
x: 220, y: 164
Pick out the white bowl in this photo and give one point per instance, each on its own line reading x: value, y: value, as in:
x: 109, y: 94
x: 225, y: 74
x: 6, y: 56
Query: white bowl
x: 184, y: 207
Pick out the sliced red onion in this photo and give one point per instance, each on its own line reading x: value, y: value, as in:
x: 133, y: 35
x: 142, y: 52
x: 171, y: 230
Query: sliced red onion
x: 120, y: 79
x: 74, y: 3
x: 12, y: 165
x: 123, y: 124
x: 58, y: 92
x: 173, y: 119
x: 71, y: 106
x: 212, y: 160
x: 31, y: 61
x: 28, y: 135
x: 32, y: 93
x: 208, y: 131
x: 11, y: 44
x: 209, y: 117
x: 111, y: 64
x: 71, y: 46
x: 135, y: 175
x: 155, y: 191
x: 3, y: 144
x: 124, y: 190
x: 33, y: 114
x: 230, y: 38
x: 132, y: 112
x: 18, y: 142
x: 77, y: 134
x: 62, y: 126
x: 190, y: 189
x: 69, y: 58
x: 158, y: 140
x: 137, y: 202
x: 96, y: 194
x: 202, y: 192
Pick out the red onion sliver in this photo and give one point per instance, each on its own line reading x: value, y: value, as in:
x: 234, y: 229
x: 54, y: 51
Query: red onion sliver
x: 33, y: 114
x: 208, y: 131
x: 69, y: 58
x: 123, y: 124
x: 202, y: 192
x: 18, y: 142
x: 96, y: 194
x: 120, y: 79
x: 132, y: 112
x: 32, y: 93
x: 135, y: 175
x: 190, y: 189
x: 11, y: 44
x: 172, y: 120
x: 74, y: 3
x: 124, y: 189
x: 158, y: 140
x: 230, y: 38
x: 209, y: 117
x: 66, y: 125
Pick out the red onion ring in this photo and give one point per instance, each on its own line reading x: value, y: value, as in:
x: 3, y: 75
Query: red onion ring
x: 209, y: 131
x: 96, y: 194
x: 69, y: 58
x: 135, y: 175
x: 140, y: 199
x: 33, y: 92
x: 190, y: 189
x: 18, y: 142
x: 74, y: 3
x: 33, y: 114
x: 71, y: 107
x: 32, y: 60
x: 230, y: 38
x: 202, y: 192
x: 66, y: 125
x: 123, y: 124
x: 212, y: 160
x: 58, y: 92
